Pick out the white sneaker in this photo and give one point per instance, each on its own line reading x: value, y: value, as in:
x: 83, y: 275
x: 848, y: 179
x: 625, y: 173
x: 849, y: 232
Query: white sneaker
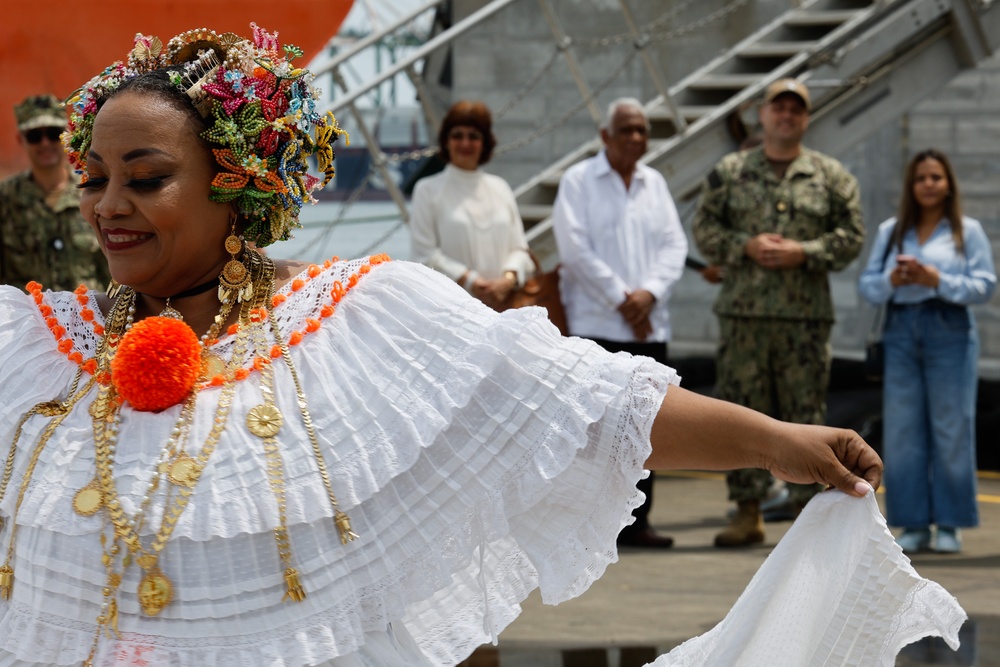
x: 914, y: 540
x: 947, y: 541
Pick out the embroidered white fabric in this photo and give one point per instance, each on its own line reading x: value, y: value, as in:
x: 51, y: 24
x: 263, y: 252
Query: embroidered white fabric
x: 478, y: 455
x: 837, y: 591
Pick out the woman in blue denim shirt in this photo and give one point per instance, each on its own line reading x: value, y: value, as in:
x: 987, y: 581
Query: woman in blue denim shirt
x: 938, y: 263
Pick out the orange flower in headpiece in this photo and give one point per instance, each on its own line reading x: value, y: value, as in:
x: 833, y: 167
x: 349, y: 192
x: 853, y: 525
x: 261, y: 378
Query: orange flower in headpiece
x: 233, y: 181
x: 157, y: 364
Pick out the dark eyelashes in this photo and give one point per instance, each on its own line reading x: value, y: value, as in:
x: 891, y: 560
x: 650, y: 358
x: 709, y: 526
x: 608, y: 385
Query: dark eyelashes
x: 140, y: 184
x: 146, y: 183
x: 92, y: 183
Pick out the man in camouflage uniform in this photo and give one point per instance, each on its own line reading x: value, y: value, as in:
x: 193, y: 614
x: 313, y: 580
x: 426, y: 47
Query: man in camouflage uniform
x: 43, y: 237
x: 778, y: 217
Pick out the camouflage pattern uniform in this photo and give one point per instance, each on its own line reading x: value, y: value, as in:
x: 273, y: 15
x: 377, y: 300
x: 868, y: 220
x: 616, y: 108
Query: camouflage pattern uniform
x: 53, y: 245
x: 774, y: 352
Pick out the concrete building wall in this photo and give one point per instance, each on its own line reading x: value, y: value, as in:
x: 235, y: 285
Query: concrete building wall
x: 494, y: 62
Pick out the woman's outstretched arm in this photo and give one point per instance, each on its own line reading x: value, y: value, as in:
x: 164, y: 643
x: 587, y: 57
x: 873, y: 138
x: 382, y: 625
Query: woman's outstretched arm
x: 694, y: 432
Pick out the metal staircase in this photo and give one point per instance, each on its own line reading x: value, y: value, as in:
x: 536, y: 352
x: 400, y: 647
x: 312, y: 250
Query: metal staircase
x: 865, y: 63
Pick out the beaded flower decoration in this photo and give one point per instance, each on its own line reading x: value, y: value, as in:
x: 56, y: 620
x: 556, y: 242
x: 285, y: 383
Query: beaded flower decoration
x: 262, y: 116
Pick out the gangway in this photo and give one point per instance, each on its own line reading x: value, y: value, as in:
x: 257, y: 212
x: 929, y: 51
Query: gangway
x: 866, y: 63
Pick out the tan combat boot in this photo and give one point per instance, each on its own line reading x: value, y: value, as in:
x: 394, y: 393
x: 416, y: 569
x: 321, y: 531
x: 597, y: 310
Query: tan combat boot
x: 745, y: 528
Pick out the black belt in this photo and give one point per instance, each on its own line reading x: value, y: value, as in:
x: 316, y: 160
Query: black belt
x: 932, y: 304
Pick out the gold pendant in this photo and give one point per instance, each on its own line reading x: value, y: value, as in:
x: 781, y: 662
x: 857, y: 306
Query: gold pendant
x: 184, y: 471
x: 147, y: 561
x: 155, y: 592
x: 88, y: 500
x: 211, y: 365
x: 51, y: 409
x: 234, y: 274
x: 264, y: 421
x: 233, y: 244
x: 171, y: 312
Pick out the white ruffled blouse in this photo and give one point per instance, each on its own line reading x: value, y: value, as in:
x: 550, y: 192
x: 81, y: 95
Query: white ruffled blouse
x: 478, y: 455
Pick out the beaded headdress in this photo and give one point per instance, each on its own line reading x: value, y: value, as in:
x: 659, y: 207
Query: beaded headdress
x: 260, y: 109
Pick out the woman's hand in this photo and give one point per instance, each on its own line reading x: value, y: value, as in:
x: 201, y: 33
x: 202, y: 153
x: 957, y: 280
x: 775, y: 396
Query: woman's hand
x: 494, y: 293
x: 909, y: 271
x: 694, y: 432
x: 832, y: 456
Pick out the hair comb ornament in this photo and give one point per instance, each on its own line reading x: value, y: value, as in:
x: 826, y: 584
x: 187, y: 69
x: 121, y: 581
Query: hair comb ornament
x: 261, y: 113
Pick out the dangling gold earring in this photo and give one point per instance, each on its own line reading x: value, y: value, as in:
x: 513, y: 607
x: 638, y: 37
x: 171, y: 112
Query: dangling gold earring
x: 234, y: 283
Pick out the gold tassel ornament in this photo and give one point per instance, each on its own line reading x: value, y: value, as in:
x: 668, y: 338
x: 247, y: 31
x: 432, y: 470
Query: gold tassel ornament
x: 293, y: 588
x: 6, y: 581
x: 343, y: 523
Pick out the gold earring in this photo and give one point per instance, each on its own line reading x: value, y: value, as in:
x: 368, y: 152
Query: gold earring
x: 234, y: 283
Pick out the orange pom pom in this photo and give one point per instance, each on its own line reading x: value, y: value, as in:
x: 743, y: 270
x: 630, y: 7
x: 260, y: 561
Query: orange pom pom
x: 76, y: 358
x: 89, y: 366
x: 99, y: 329
x: 157, y: 364
x: 65, y: 345
x: 80, y: 290
x: 87, y: 315
x: 33, y: 287
x: 312, y: 324
x: 326, y: 311
x: 277, y: 300
x: 297, y: 284
x: 294, y: 339
x: 242, y: 373
x: 313, y: 270
x: 45, y: 310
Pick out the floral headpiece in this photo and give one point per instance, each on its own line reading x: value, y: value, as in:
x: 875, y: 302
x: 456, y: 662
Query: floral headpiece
x: 261, y: 112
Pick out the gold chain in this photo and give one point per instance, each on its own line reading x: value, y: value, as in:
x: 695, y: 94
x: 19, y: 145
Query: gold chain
x: 340, y: 519
x: 58, y: 411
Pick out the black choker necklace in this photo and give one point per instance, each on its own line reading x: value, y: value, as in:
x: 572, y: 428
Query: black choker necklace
x: 198, y: 289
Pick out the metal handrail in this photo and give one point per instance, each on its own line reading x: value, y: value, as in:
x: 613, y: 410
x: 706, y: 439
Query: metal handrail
x: 445, y: 37
x: 374, y: 38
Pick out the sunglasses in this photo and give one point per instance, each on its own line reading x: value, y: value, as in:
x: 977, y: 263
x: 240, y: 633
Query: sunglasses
x: 460, y: 135
x: 35, y: 136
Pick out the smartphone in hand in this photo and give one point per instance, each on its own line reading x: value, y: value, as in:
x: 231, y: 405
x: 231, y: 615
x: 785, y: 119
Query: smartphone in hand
x: 904, y: 260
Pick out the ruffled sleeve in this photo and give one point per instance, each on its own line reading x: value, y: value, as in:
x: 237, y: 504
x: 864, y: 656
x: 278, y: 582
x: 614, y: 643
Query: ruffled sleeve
x: 514, y: 452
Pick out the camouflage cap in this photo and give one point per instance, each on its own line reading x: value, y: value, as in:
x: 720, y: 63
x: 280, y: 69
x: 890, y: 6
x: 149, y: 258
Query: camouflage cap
x: 40, y: 111
x: 793, y: 86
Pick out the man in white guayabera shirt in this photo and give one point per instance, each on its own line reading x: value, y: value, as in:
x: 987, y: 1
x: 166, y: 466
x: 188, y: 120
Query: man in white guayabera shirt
x: 622, y: 249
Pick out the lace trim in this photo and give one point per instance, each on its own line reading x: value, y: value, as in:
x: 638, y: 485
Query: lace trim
x: 58, y: 318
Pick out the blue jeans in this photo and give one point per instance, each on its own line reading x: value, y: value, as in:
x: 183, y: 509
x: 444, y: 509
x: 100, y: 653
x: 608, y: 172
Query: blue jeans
x: 929, y: 429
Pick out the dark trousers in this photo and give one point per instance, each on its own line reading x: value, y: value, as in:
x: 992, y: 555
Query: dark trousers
x: 657, y: 352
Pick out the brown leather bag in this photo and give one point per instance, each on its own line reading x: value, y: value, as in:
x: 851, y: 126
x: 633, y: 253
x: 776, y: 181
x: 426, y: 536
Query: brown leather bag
x: 541, y: 290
